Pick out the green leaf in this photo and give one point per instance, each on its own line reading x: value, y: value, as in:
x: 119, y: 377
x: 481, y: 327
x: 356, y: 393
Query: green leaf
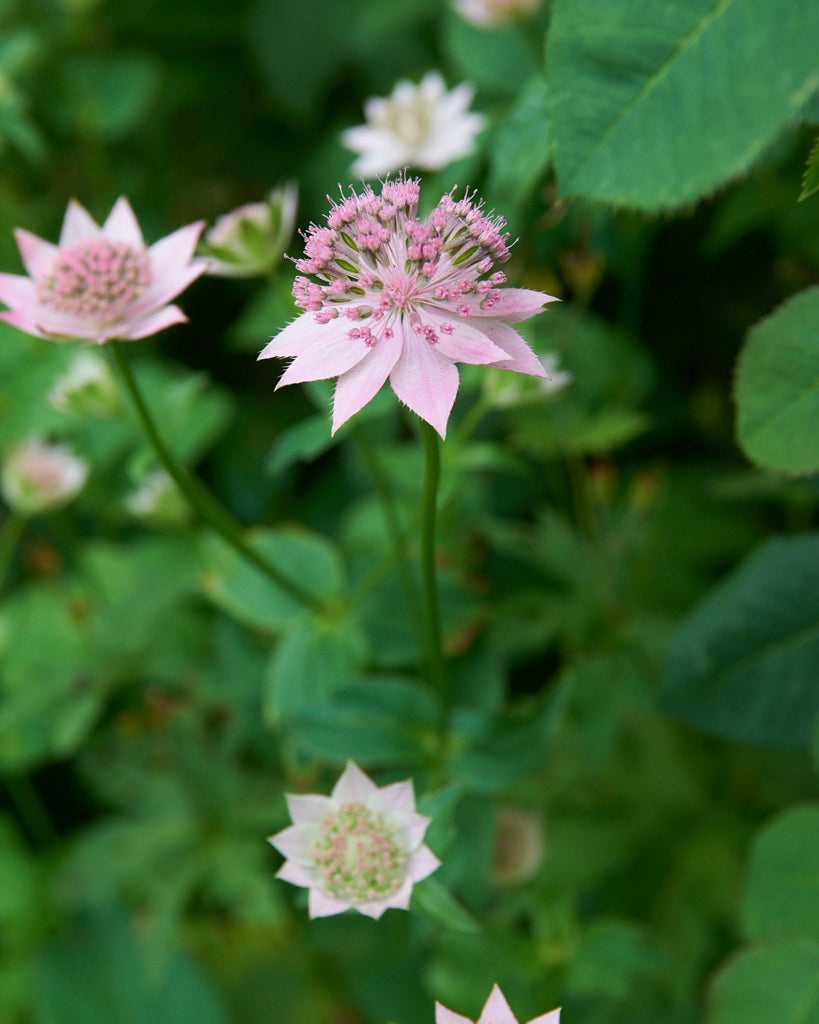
x: 782, y: 897
x: 522, y: 146
x: 777, y: 388
x: 810, y: 182
x: 654, y: 105
x: 436, y: 902
x: 312, y: 659
x: 109, y: 95
x: 97, y: 972
x: 301, y: 442
x: 743, y: 664
x: 773, y: 983
x: 241, y: 590
x: 379, y: 720
x: 499, y: 61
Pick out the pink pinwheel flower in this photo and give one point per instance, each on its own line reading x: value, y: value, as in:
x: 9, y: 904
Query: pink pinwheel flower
x: 360, y: 848
x: 495, y: 1011
x: 404, y: 298
x: 100, y: 283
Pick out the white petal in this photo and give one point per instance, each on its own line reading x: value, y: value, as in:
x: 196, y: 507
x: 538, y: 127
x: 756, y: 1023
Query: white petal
x: 425, y: 381
x: 307, y: 808
x: 496, y: 1010
x: 445, y: 1016
x: 359, y: 385
x: 422, y: 863
x: 397, y: 798
x: 354, y: 786
x: 37, y: 254
x: 293, y: 339
x: 78, y: 225
x: 319, y: 904
x: 294, y: 842
x: 122, y: 226
x: 547, y: 1018
x: 296, y: 874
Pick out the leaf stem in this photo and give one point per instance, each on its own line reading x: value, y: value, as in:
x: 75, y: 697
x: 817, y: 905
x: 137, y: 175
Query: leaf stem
x: 435, y: 658
x: 199, y: 497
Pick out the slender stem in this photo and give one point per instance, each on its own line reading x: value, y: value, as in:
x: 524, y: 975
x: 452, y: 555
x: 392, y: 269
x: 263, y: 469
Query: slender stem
x: 200, y: 498
x: 397, y: 537
x: 435, y: 658
x: 10, y: 533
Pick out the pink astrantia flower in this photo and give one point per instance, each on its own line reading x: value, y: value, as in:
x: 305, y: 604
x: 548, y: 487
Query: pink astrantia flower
x: 360, y: 848
x: 100, y: 283
x: 404, y: 298
x: 496, y: 1011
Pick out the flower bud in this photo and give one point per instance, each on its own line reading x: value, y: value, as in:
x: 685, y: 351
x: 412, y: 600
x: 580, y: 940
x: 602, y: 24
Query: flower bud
x: 86, y: 388
x: 37, y: 475
x: 249, y: 241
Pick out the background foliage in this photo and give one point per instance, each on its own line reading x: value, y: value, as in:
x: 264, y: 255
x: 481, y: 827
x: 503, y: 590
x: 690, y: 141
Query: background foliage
x: 629, y: 604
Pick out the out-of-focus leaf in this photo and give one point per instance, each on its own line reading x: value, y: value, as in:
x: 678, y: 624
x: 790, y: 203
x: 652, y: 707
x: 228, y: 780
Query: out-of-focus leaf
x: 777, y: 389
x: 109, y: 96
x: 435, y: 901
x: 697, y: 89
x: 782, y: 893
x: 743, y: 663
x: 499, y: 61
x: 301, y: 442
x: 97, y: 972
x: 522, y: 147
x: 614, y: 957
x: 810, y: 182
x: 771, y: 983
x: 241, y: 590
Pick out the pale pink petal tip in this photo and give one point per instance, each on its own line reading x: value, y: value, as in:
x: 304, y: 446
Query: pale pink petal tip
x: 496, y: 1009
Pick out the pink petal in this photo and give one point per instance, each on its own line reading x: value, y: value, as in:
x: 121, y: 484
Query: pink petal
x: 521, y: 357
x: 18, y: 292
x: 445, y: 1016
x: 422, y: 863
x: 362, y: 383
x: 22, y: 320
x: 294, y: 842
x: 353, y: 786
x: 397, y: 798
x: 425, y: 381
x: 514, y: 304
x: 307, y: 808
x: 152, y: 323
x: 400, y: 899
x: 414, y: 829
x: 122, y: 226
x: 332, y: 353
x: 295, y: 873
x: 37, y: 254
x: 163, y: 289
x: 547, y: 1018
x: 293, y: 339
x: 319, y: 904
x: 78, y: 225
x: 496, y: 1010
x: 373, y: 909
x: 467, y: 344
x: 171, y: 268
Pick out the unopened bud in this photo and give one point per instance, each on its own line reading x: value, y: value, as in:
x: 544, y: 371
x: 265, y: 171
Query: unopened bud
x: 86, y: 388
x: 249, y: 241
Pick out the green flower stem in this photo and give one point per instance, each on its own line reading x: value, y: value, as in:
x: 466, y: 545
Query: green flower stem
x: 435, y: 657
x: 399, y: 541
x: 10, y: 533
x: 201, y: 500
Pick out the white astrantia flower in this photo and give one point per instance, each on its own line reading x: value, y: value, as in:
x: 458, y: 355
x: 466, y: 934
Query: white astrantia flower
x: 86, y: 388
x: 38, y: 475
x: 492, y: 13
x: 422, y: 126
x: 359, y: 848
x: 495, y: 1011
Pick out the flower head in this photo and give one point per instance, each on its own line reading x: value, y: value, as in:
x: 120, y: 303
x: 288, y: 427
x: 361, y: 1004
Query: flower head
x: 358, y: 848
x: 492, y: 13
x: 248, y: 241
x: 495, y: 1011
x: 37, y: 476
x: 421, y: 126
x: 404, y: 298
x: 86, y: 388
x: 100, y: 283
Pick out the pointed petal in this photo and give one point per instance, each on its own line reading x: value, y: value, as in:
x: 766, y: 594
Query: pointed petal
x: 37, y: 254
x: 422, y: 863
x: 362, y: 383
x: 294, y: 842
x: 496, y: 1010
x: 425, y: 381
x: 445, y: 1016
x: 514, y: 304
x: 397, y: 798
x: 373, y: 909
x: 121, y: 225
x: 319, y: 904
x: 307, y: 808
x: 547, y: 1018
x: 332, y: 353
x: 293, y: 339
x: 78, y: 224
x: 400, y: 899
x: 295, y: 873
x: 23, y: 321
x: 467, y: 343
x: 154, y: 322
x: 414, y: 830
x: 353, y: 786
x: 519, y: 355
x: 18, y: 292
x: 170, y: 268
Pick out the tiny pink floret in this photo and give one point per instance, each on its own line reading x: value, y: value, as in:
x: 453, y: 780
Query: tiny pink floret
x: 419, y: 297
x: 100, y: 283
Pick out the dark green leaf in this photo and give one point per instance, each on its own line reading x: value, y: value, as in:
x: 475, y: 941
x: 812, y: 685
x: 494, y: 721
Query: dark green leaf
x: 772, y: 983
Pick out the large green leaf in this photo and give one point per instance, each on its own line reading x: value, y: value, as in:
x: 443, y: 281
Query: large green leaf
x: 743, y: 665
x: 782, y: 898
x: 773, y: 983
x: 777, y: 388
x: 656, y: 104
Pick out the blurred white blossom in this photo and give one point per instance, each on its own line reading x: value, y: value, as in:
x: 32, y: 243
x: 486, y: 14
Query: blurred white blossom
x: 38, y: 475
x: 492, y: 13
x: 422, y: 126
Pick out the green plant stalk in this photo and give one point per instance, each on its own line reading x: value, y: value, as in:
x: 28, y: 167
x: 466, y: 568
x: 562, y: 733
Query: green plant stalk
x: 10, y: 534
x: 429, y: 511
x: 201, y: 500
